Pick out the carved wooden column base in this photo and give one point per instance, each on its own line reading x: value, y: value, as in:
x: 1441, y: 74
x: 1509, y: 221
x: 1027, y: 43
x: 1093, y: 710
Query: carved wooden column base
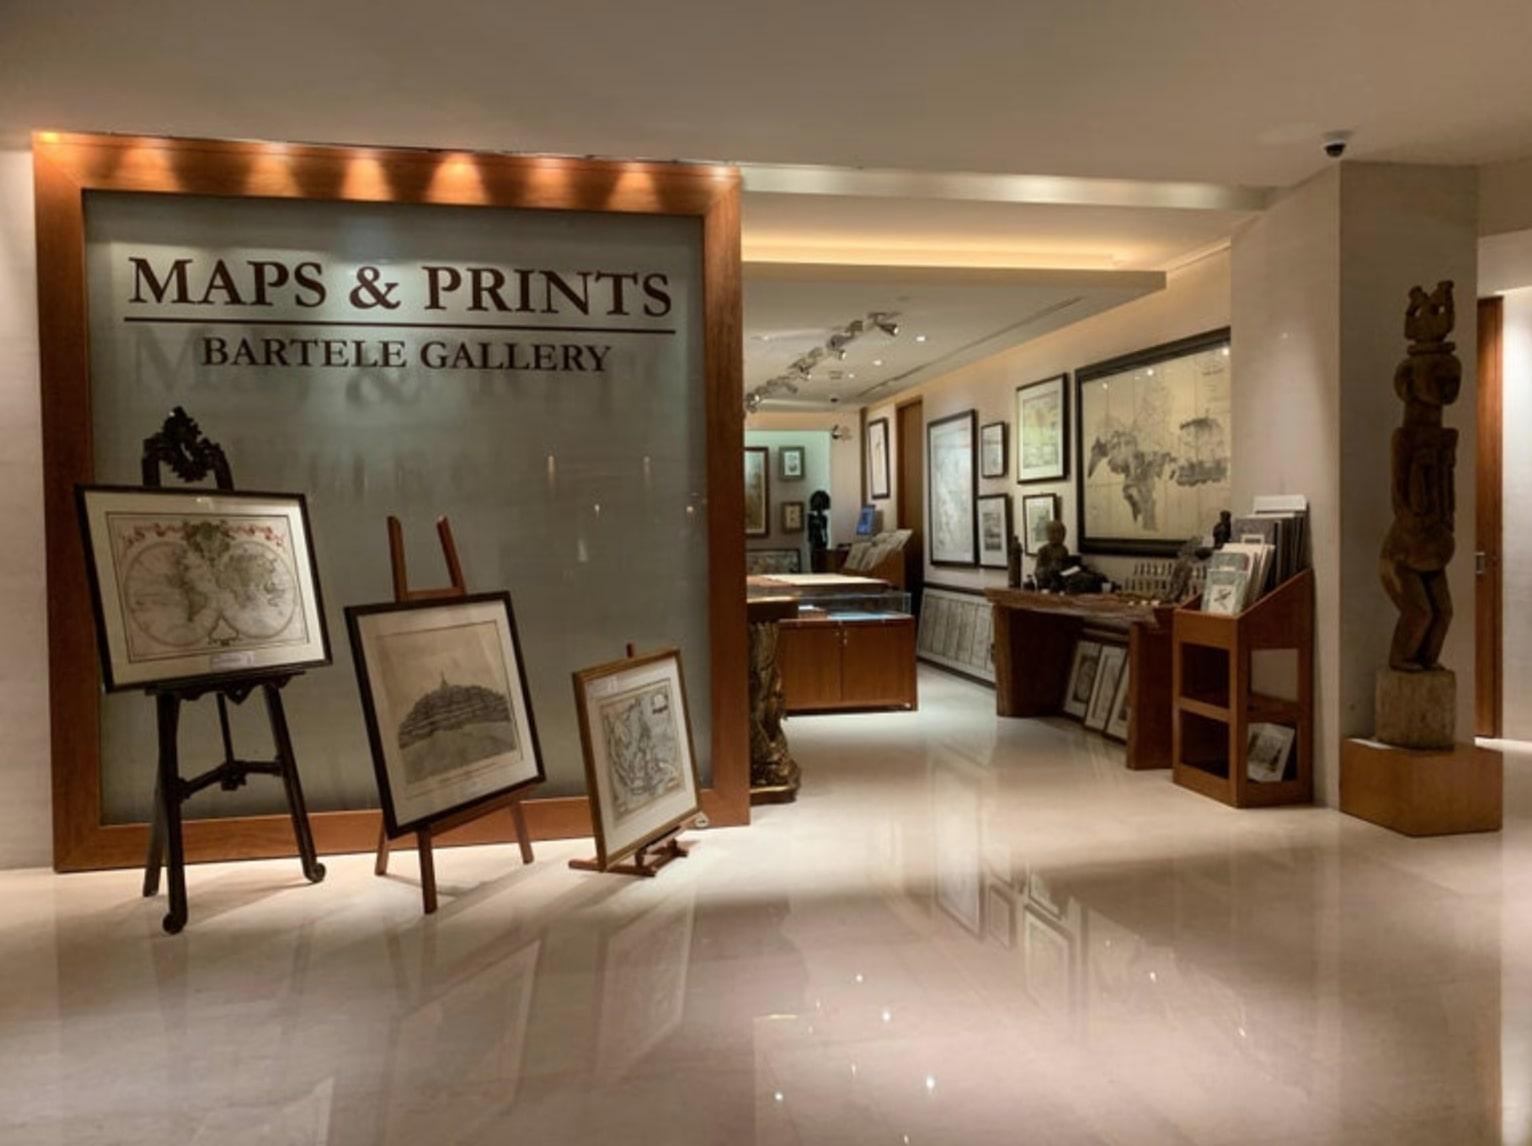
x: 774, y: 774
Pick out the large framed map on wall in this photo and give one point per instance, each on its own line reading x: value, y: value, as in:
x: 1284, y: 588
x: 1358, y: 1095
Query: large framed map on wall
x: 953, y: 486
x: 1153, y: 446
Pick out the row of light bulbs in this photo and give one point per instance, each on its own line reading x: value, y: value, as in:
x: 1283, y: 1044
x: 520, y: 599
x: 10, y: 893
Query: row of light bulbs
x: 802, y: 368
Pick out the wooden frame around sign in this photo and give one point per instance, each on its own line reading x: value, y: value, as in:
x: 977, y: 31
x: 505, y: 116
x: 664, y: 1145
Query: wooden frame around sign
x: 67, y: 165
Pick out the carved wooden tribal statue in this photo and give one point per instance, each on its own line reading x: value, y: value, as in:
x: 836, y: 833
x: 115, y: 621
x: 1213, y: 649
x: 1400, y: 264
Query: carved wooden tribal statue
x: 1420, y: 544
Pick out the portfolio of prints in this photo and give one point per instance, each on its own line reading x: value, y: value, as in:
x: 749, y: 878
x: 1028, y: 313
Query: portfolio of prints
x: 192, y: 583
x: 448, y: 711
x: 1109, y: 672
x: 640, y: 769
x: 953, y: 487
x: 1042, y: 430
x: 1153, y: 446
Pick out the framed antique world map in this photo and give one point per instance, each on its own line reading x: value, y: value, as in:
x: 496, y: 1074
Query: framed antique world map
x: 191, y: 584
x: 1153, y: 446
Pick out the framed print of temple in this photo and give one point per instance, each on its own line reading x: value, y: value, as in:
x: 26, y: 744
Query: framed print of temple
x: 448, y: 710
x: 1153, y: 446
x: 194, y: 584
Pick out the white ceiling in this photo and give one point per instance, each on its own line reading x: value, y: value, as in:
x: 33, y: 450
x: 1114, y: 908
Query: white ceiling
x: 1214, y: 90
x: 946, y: 317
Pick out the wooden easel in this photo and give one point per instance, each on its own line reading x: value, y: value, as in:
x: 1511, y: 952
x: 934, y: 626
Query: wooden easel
x: 651, y: 855
x: 425, y: 835
x: 191, y: 457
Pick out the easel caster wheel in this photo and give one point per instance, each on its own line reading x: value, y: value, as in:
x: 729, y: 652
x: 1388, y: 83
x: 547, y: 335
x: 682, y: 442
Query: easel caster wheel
x: 317, y: 875
x: 172, y: 925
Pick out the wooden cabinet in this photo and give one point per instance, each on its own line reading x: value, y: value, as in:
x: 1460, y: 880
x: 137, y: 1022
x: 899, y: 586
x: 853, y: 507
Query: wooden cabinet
x: 839, y: 665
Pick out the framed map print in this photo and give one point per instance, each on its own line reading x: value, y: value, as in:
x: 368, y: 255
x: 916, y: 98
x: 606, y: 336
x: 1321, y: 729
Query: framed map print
x: 994, y: 530
x: 1042, y: 430
x: 1153, y: 445
x: 757, y: 491
x: 445, y: 697
x: 640, y: 770
x: 992, y: 459
x: 790, y: 459
x: 1037, y: 510
x: 878, y: 483
x: 197, y: 583
x: 953, y: 485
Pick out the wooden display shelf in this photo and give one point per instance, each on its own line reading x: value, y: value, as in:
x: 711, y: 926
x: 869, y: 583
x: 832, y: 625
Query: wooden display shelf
x: 1215, y: 705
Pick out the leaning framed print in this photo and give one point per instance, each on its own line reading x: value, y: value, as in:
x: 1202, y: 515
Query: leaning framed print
x: 445, y: 697
x: 1037, y: 510
x: 790, y: 463
x: 992, y: 457
x: 640, y: 770
x: 757, y: 491
x: 193, y: 584
x: 953, y: 486
x: 994, y: 530
x: 878, y: 480
x: 1082, y: 678
x: 1153, y: 444
x: 1042, y: 430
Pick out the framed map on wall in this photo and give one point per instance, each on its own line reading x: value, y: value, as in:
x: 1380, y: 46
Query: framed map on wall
x: 1042, y: 430
x: 1153, y: 446
x: 953, y: 484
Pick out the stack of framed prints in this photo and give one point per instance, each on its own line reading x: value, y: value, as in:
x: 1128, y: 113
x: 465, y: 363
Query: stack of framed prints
x: 640, y: 768
x: 1098, y: 689
x: 957, y: 632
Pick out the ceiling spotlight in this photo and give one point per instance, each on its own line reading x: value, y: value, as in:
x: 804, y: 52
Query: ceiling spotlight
x: 884, y: 322
x: 752, y: 402
x: 877, y: 362
x: 920, y: 338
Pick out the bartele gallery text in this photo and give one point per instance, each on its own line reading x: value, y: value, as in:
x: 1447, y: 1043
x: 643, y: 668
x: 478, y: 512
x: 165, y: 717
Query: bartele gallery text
x: 389, y: 353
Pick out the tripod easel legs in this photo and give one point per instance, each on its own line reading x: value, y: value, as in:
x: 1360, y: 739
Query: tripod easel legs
x: 425, y: 838
x: 165, y: 829
x: 313, y: 870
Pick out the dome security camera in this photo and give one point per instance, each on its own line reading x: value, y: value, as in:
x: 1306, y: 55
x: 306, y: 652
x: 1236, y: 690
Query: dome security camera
x: 1335, y: 143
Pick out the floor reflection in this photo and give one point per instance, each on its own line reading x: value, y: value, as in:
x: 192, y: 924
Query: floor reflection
x: 966, y: 932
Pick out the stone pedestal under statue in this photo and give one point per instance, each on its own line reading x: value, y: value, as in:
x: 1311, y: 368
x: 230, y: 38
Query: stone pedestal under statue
x: 1416, y: 709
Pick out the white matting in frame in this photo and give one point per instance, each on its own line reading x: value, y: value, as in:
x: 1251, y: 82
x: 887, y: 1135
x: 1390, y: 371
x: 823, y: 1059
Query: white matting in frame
x: 449, y: 714
x: 640, y: 767
x: 197, y: 583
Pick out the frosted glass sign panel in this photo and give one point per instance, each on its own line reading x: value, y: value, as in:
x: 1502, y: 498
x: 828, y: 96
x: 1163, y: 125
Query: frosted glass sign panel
x: 535, y: 375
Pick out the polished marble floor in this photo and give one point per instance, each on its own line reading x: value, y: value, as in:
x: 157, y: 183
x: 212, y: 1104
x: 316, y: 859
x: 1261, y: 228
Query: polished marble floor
x: 965, y: 932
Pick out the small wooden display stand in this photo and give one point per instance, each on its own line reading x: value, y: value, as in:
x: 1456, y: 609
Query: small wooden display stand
x: 651, y: 855
x: 425, y: 836
x: 1215, y: 705
x: 191, y: 457
x: 1035, y: 635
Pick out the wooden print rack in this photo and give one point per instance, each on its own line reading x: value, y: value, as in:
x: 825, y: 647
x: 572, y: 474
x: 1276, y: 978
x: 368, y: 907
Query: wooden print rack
x: 425, y: 835
x: 651, y: 855
x: 181, y: 445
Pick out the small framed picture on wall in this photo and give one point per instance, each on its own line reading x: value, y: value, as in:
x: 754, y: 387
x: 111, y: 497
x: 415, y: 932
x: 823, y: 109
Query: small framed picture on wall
x: 1042, y: 430
x: 790, y: 463
x: 992, y: 455
x: 1037, y: 510
x: 792, y: 517
x: 994, y: 529
x: 878, y: 483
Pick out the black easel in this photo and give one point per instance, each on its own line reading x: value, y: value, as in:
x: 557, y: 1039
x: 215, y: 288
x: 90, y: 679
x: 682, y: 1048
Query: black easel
x: 191, y: 457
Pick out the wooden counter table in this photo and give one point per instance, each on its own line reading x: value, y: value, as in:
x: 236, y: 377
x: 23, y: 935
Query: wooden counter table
x: 1035, y: 635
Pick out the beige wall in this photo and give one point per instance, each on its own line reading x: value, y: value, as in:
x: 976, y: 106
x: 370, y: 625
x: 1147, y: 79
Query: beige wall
x: 25, y: 802
x: 1320, y: 282
x: 1505, y: 197
x: 1516, y: 510
x: 1195, y: 299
